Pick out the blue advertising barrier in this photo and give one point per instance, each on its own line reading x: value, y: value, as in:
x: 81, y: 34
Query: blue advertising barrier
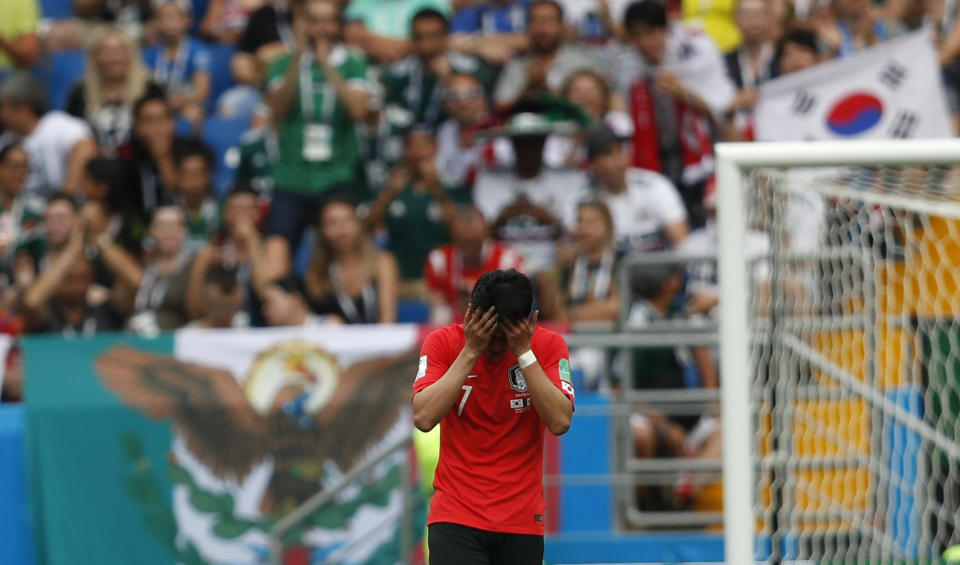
x: 16, y: 548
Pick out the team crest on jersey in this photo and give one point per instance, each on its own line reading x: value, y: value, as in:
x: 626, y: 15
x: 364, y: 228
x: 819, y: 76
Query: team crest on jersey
x: 517, y: 382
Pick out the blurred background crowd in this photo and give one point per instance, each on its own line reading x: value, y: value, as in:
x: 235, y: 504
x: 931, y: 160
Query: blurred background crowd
x: 233, y: 163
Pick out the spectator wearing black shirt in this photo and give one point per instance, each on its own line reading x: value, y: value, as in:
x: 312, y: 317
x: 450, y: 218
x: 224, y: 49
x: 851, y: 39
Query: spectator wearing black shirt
x: 418, y: 82
x: 150, y: 167
x: 63, y: 298
x: 269, y: 33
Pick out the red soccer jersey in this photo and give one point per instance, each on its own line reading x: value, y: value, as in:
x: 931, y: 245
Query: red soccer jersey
x: 445, y: 273
x: 490, y: 474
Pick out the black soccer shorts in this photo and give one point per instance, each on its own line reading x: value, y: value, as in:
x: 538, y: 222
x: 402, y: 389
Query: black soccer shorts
x: 453, y: 544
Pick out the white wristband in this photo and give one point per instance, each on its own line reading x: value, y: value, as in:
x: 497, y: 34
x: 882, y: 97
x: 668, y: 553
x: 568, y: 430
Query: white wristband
x: 527, y: 359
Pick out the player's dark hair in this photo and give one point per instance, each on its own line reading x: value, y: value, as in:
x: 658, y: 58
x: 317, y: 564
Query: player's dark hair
x: 650, y: 13
x: 510, y: 292
x: 429, y: 14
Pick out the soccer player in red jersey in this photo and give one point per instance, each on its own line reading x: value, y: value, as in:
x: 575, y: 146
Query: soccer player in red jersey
x: 494, y: 382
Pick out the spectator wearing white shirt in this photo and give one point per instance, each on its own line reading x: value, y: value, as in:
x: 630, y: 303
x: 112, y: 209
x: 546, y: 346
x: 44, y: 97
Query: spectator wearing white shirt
x: 459, y: 156
x: 676, y: 86
x: 529, y: 206
x: 648, y: 212
x: 59, y: 145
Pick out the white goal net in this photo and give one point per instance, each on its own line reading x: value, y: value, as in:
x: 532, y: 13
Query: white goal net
x: 842, y: 336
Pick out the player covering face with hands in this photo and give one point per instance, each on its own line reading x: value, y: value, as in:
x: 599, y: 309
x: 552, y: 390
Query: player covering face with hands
x: 495, y: 382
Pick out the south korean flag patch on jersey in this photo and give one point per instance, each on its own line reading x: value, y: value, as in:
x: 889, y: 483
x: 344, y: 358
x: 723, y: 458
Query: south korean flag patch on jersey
x: 515, y: 376
x: 566, y: 381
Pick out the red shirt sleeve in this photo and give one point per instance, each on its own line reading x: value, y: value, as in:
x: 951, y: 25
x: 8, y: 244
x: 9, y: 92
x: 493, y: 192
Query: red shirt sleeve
x: 436, y: 356
x: 553, y: 356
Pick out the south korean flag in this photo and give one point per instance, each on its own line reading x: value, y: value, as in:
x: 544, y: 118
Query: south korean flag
x: 892, y: 91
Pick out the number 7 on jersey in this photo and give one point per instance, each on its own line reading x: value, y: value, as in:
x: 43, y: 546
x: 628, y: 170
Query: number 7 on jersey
x: 466, y: 395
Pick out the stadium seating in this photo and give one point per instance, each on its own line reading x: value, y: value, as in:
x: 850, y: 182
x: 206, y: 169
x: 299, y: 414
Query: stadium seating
x: 58, y: 72
x: 220, y: 77
x: 223, y: 134
x: 56, y: 9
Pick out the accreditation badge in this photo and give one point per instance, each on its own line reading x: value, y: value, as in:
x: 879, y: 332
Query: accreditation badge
x: 317, y: 142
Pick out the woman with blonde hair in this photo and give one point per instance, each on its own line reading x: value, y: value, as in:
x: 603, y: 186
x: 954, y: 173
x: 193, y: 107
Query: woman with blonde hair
x: 582, y: 285
x: 349, y: 277
x: 115, y: 78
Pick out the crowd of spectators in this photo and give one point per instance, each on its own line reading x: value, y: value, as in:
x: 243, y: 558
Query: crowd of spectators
x: 391, y: 151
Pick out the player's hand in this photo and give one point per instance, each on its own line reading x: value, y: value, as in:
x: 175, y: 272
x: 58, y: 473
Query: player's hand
x: 478, y: 327
x: 520, y: 333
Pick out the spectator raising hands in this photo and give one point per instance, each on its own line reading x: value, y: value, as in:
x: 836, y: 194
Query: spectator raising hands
x: 316, y: 95
x: 415, y: 207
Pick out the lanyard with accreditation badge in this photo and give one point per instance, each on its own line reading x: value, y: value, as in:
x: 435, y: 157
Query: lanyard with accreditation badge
x: 317, y: 137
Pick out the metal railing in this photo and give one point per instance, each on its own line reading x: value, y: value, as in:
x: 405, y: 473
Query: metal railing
x: 327, y: 495
x: 629, y: 470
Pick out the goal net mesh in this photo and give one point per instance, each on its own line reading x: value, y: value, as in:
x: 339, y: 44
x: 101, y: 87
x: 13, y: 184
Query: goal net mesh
x: 854, y: 282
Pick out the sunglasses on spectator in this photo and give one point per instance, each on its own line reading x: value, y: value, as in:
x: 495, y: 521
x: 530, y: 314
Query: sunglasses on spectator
x: 464, y: 94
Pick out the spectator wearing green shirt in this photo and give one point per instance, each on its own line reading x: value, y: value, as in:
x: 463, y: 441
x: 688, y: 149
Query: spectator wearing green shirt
x: 415, y: 207
x: 194, y: 190
x: 316, y: 96
x: 417, y: 83
x: 21, y: 215
x: 19, y: 45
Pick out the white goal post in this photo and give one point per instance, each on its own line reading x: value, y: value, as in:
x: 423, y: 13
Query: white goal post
x: 739, y: 165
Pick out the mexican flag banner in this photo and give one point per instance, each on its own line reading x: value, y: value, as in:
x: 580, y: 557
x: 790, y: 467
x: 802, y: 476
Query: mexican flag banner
x: 188, y: 448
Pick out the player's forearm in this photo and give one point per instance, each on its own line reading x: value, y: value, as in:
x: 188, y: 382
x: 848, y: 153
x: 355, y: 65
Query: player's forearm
x: 431, y: 404
x: 553, y: 406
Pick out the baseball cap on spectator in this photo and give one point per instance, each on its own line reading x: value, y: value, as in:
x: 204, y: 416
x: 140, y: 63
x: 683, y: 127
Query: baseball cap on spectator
x: 539, y: 117
x: 600, y: 138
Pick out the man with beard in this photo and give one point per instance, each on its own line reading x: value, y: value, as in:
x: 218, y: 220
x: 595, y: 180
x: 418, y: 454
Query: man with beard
x: 548, y: 63
x: 417, y: 83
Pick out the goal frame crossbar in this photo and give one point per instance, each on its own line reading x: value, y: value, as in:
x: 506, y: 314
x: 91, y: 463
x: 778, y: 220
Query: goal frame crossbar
x: 734, y: 163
